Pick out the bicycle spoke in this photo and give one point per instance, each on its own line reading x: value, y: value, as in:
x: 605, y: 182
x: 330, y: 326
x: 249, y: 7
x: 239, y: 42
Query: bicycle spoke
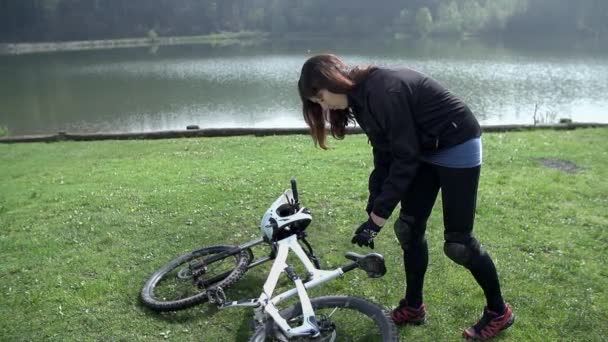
x: 333, y: 312
x: 341, y: 324
x: 180, y: 283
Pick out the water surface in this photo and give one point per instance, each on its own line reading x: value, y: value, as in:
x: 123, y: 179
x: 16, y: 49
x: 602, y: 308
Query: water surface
x: 133, y: 90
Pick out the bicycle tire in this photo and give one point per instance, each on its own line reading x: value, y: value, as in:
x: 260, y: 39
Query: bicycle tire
x: 380, y: 317
x: 149, y: 299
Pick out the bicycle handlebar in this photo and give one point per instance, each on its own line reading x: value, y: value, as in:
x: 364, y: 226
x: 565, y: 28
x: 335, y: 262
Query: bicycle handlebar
x: 294, y: 190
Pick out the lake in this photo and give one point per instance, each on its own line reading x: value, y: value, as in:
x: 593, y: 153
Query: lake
x: 166, y: 88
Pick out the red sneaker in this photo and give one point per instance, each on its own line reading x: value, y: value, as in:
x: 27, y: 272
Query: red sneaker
x: 490, y: 324
x: 405, y: 314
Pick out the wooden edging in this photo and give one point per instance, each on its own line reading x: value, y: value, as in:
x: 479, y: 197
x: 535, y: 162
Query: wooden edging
x: 230, y: 132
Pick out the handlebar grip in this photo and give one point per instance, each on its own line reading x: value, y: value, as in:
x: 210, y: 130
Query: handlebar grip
x: 294, y: 190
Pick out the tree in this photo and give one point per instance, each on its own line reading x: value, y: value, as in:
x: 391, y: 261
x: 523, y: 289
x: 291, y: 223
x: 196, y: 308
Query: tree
x: 40, y: 20
x: 404, y: 23
x: 424, y: 21
x: 472, y: 16
x: 449, y: 20
x: 500, y: 12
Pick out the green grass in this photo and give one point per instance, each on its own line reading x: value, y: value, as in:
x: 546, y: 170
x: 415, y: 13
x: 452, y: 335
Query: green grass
x: 83, y: 224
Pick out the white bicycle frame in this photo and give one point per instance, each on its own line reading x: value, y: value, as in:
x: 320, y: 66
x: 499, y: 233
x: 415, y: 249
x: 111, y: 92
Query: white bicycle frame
x: 268, y: 304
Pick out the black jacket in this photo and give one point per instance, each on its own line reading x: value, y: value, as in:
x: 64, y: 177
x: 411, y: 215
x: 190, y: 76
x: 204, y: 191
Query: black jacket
x: 405, y: 113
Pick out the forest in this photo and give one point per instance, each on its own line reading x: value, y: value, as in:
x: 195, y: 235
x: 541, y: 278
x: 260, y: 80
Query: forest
x: 66, y: 20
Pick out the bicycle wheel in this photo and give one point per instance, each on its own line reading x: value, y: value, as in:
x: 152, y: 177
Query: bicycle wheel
x: 341, y: 318
x: 184, y: 282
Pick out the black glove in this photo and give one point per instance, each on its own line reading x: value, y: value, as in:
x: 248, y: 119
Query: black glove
x: 365, y: 234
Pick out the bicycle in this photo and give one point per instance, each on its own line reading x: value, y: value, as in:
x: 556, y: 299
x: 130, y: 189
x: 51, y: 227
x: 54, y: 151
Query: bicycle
x: 201, y: 276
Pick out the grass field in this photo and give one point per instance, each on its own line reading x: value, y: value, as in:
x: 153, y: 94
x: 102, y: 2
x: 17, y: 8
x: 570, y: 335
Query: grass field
x: 82, y: 225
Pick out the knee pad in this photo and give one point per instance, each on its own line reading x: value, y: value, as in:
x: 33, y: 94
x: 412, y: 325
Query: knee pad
x: 462, y: 248
x: 409, y: 231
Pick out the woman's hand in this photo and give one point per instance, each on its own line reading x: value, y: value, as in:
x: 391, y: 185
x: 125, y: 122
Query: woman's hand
x: 365, y: 234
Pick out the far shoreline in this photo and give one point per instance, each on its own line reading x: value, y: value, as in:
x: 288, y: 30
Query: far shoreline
x: 223, y: 38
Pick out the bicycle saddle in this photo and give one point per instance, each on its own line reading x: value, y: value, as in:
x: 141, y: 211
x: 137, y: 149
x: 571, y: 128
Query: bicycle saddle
x: 372, y: 263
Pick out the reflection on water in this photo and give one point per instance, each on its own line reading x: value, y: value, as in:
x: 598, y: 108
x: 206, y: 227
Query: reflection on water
x: 134, y: 90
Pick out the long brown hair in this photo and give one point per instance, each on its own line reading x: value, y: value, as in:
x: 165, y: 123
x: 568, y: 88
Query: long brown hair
x: 327, y: 72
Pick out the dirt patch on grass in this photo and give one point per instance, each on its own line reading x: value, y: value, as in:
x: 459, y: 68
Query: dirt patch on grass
x: 561, y: 165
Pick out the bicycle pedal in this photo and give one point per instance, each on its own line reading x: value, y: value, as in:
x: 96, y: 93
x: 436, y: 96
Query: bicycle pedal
x: 216, y: 296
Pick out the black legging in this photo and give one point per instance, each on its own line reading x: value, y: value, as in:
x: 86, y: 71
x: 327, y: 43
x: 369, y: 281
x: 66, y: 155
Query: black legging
x: 459, y: 197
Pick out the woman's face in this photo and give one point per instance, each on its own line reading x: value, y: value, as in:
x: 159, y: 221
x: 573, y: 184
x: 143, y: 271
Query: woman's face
x: 330, y: 101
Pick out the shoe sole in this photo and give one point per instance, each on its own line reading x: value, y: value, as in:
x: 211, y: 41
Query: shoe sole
x: 508, y: 325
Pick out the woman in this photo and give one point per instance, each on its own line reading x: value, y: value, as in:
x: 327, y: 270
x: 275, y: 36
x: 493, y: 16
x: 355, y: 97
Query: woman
x: 424, y: 139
